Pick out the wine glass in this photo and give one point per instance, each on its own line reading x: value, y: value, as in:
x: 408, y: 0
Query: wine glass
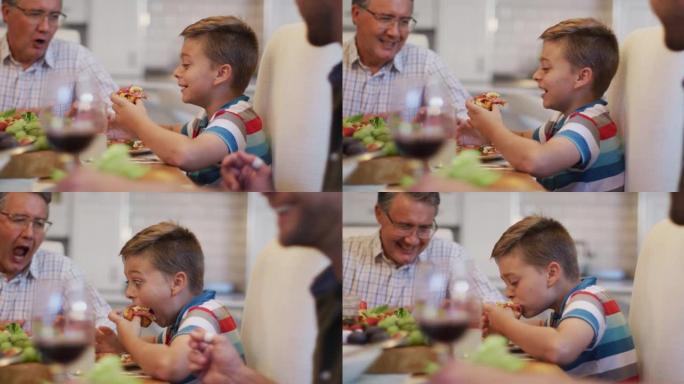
x: 444, y: 305
x: 420, y: 117
x: 73, y: 113
x: 62, y: 323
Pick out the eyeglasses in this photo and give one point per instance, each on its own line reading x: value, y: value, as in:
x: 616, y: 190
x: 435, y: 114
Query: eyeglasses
x: 37, y: 16
x: 21, y: 221
x: 387, y: 21
x: 422, y: 231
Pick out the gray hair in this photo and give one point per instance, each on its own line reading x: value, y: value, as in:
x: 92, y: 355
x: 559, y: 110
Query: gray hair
x: 46, y: 196
x: 430, y: 198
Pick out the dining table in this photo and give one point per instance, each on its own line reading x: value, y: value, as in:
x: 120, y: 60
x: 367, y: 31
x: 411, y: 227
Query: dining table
x: 32, y: 171
x: 369, y: 172
x: 406, y: 365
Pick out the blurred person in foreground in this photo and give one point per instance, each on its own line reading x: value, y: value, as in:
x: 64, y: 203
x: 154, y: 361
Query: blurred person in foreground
x: 304, y: 219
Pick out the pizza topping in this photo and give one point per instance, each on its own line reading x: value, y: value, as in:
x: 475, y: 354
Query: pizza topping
x: 487, y: 100
x: 132, y: 93
x: 146, y: 314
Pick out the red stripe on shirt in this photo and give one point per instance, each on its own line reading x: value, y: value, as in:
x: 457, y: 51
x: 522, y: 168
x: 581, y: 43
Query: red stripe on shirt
x: 607, y: 131
x: 227, y: 324
x: 611, y: 307
x: 586, y: 117
x: 253, y: 126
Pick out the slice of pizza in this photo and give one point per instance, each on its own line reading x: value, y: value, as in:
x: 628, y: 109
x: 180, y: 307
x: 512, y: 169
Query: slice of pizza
x: 146, y: 315
x: 488, y: 99
x: 132, y: 93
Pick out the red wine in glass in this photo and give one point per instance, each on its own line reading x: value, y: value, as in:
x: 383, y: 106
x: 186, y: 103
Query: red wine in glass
x: 61, y: 351
x: 444, y: 330
x: 419, y: 146
x: 71, y: 142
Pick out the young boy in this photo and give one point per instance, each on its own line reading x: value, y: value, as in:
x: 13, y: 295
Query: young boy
x: 218, y: 58
x: 164, y: 266
x: 588, y: 335
x: 580, y: 149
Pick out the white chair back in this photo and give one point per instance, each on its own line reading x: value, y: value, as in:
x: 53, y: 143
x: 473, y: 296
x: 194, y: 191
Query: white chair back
x: 656, y: 311
x: 645, y: 100
x: 279, y: 317
x: 294, y: 100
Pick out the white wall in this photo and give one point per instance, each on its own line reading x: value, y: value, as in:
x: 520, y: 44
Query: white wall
x: 231, y: 228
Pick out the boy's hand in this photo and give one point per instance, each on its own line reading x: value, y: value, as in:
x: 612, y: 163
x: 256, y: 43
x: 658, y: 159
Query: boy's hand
x: 241, y: 171
x: 106, y: 341
x: 497, y: 317
x: 128, y: 115
x: 125, y: 327
x: 483, y: 120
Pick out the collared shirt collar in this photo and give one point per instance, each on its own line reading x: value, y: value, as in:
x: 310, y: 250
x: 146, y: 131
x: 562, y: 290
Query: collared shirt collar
x: 6, y: 54
x: 197, y: 300
x: 584, y: 283
x: 397, y: 63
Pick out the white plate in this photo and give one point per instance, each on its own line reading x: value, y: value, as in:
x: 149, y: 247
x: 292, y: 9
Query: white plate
x: 356, y: 359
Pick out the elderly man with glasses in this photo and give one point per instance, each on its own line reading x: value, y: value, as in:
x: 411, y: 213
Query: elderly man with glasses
x: 380, y: 269
x: 30, y: 57
x: 378, y: 55
x: 23, y: 224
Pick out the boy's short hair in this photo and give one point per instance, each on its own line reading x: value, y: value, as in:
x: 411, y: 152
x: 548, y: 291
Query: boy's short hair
x: 228, y: 40
x: 541, y: 240
x: 171, y: 249
x: 588, y: 43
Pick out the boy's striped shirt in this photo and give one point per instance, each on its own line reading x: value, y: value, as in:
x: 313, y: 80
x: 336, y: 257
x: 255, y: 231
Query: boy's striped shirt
x: 611, y: 355
x: 203, y: 311
x: 238, y: 126
x: 594, y: 134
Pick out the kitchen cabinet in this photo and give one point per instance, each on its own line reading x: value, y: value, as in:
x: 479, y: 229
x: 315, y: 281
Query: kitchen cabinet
x: 77, y: 11
x: 116, y: 35
x: 465, y: 38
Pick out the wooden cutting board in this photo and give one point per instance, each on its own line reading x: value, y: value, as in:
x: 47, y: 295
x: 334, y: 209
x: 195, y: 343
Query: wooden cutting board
x: 403, y: 360
x: 28, y: 373
x: 32, y: 164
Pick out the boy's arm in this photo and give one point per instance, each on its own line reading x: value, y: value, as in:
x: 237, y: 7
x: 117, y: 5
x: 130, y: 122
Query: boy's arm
x: 168, y: 363
x: 560, y: 345
x: 171, y: 147
x: 172, y: 127
x: 524, y: 154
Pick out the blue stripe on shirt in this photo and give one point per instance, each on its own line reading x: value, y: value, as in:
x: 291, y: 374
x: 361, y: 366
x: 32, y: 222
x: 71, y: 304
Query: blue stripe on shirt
x: 601, y: 351
x: 225, y: 136
x: 581, y: 144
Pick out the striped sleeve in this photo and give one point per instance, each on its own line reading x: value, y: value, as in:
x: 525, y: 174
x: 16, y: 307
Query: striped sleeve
x: 586, y: 306
x: 229, y: 132
x: 582, y: 131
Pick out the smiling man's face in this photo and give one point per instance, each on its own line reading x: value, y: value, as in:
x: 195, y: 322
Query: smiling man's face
x: 19, y: 244
x: 28, y: 39
x: 399, y: 246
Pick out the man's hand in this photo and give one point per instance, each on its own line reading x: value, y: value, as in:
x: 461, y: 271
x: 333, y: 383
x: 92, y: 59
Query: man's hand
x: 241, y: 171
x: 483, y: 120
x: 214, y: 359
x: 106, y: 341
x: 128, y: 115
